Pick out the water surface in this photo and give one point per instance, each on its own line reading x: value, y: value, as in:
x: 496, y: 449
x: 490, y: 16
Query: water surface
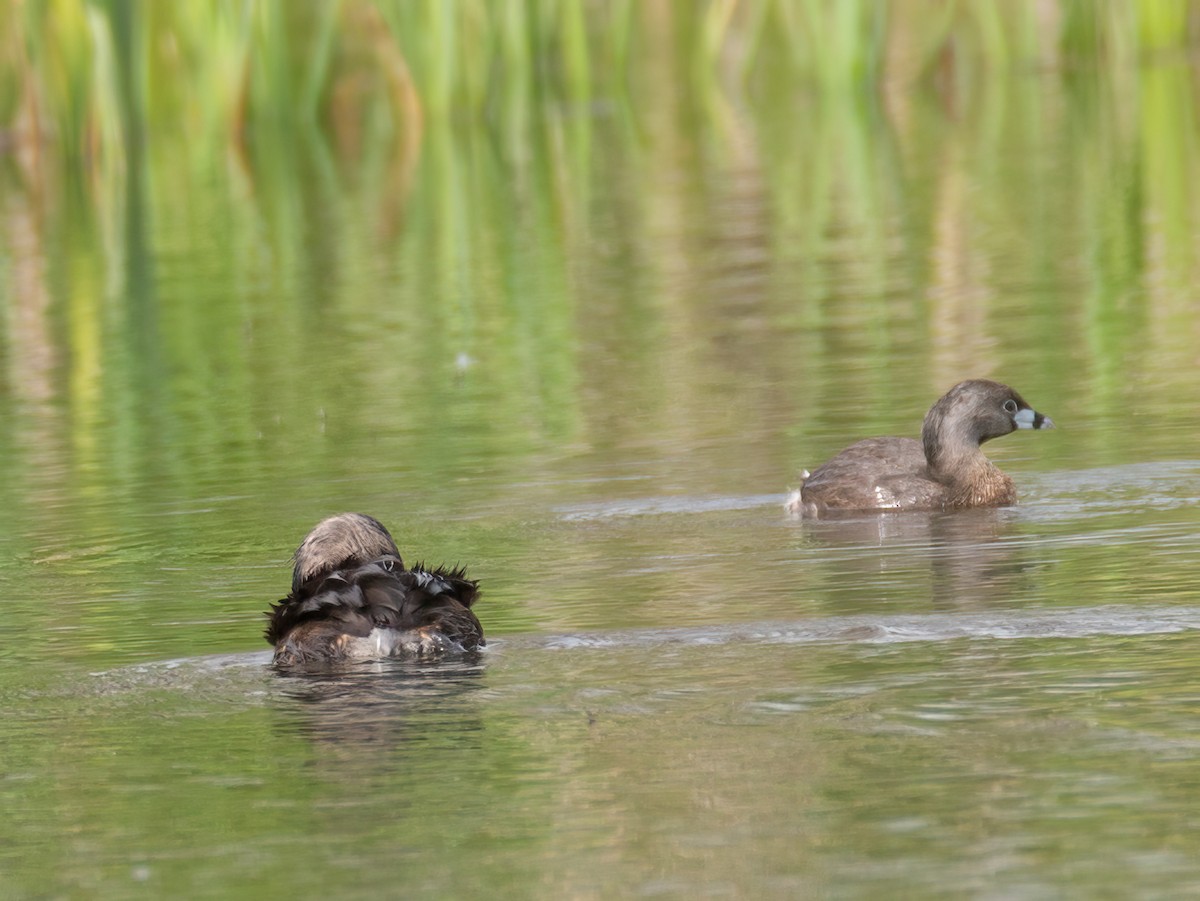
x: 585, y: 354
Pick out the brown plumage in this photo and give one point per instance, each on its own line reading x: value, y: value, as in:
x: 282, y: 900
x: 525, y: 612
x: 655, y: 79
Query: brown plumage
x: 945, y: 470
x: 352, y: 598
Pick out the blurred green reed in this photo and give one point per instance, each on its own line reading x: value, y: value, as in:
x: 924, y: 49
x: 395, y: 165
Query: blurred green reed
x: 220, y: 67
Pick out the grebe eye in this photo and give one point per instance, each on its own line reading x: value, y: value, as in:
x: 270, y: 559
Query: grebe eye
x: 1010, y: 407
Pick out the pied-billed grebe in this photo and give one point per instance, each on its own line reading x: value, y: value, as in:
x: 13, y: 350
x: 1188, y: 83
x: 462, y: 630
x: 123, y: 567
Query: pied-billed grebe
x: 352, y: 598
x: 945, y: 470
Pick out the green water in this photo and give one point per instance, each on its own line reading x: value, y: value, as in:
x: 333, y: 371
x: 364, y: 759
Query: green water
x: 584, y: 351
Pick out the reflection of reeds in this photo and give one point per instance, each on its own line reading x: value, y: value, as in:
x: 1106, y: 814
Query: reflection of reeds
x: 32, y: 357
x: 222, y: 66
x: 626, y: 194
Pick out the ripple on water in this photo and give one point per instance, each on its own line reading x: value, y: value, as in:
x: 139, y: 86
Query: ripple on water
x: 1080, y: 622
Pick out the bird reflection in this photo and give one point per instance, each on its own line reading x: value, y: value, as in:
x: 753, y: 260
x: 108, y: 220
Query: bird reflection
x: 353, y: 710
x: 971, y: 557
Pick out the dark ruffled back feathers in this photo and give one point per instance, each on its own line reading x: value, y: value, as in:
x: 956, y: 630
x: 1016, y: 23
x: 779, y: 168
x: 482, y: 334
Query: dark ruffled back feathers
x: 334, y: 606
x: 378, y: 595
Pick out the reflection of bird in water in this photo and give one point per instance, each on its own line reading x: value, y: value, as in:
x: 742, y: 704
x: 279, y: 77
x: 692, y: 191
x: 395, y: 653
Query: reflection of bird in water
x: 383, y: 704
x: 386, y: 725
x: 968, y: 559
x: 352, y: 598
x: 945, y: 470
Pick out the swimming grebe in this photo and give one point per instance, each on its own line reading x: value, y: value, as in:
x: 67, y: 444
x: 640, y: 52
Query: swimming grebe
x: 352, y: 598
x: 945, y: 470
